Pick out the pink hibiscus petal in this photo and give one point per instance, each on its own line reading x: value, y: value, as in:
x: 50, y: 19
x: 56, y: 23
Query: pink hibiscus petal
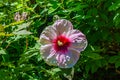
x: 62, y: 26
x: 48, y: 54
x: 69, y: 59
x: 48, y: 35
x: 79, y: 41
x: 44, y: 39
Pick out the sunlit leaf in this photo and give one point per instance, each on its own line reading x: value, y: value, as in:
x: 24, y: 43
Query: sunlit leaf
x: 114, y: 6
x: 23, y: 26
x: 1, y: 28
x: 4, y: 34
x: 2, y: 51
x: 22, y: 32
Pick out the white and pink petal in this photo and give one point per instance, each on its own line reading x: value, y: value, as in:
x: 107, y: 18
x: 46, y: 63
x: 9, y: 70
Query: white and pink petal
x: 69, y: 59
x: 78, y: 40
x: 48, y: 54
x: 63, y: 26
x: 48, y: 35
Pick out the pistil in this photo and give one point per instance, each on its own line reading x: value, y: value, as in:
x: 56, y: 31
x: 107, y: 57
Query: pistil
x: 59, y: 43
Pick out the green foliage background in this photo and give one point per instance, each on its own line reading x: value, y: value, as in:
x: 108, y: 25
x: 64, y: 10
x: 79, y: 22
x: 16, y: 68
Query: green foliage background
x: 20, y: 57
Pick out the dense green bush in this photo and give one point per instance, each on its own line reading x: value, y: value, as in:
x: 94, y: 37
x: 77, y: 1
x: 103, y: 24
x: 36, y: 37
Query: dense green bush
x: 20, y: 57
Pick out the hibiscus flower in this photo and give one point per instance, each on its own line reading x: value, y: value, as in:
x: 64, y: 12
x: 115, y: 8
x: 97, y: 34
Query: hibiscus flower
x: 61, y: 44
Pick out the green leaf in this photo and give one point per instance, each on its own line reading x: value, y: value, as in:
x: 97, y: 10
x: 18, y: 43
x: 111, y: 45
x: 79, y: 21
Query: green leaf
x: 113, y: 59
x: 92, y: 12
x: 78, y: 7
x: 55, y: 70
x: 94, y: 68
x: 114, y: 6
x: 53, y: 7
x: 92, y: 65
x: 22, y: 32
x: 117, y: 37
x: 23, y: 26
x: 2, y: 51
x: 1, y: 28
x: 117, y: 64
x: 26, y: 67
x: 77, y: 16
x: 13, y: 24
x: 27, y: 55
x: 4, y: 72
x: 104, y: 62
x: 51, y: 10
x: 4, y: 34
x: 87, y: 68
x: 116, y: 19
x: 92, y: 55
x: 98, y: 63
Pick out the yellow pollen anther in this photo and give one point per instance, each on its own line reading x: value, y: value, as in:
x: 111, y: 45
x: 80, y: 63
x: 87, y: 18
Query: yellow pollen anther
x: 59, y: 43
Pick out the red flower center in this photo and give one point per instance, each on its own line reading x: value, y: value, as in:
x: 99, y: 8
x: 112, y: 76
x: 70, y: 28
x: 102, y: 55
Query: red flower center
x: 61, y: 43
